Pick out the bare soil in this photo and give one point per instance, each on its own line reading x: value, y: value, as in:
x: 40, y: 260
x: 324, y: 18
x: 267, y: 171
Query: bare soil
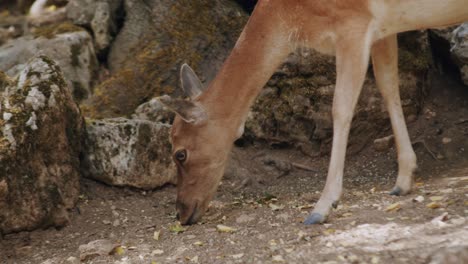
x: 266, y: 204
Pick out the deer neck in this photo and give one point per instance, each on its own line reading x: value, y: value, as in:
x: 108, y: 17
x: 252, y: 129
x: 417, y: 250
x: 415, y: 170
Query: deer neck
x: 256, y: 55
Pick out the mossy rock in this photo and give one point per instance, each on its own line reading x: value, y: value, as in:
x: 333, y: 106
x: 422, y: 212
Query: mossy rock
x: 41, y: 130
x: 156, y: 39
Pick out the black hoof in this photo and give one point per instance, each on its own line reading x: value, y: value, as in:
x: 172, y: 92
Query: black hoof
x: 314, y: 218
x: 396, y: 191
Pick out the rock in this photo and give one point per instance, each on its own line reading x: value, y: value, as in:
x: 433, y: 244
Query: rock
x: 40, y: 143
x: 295, y: 106
x: 70, y: 46
x: 101, y: 16
x: 157, y: 37
x: 153, y: 111
x: 102, y: 247
x: 73, y: 260
x: 451, y: 46
x: 126, y: 152
x: 384, y: 144
x: 451, y: 255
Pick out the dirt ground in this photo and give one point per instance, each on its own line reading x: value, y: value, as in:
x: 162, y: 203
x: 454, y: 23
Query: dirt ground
x: 266, y: 207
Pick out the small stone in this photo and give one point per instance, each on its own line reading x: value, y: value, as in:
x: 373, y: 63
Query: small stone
x: 419, y: 199
x: 106, y: 222
x: 446, y: 140
x: 383, y: 144
x: 116, y: 223
x: 96, y: 248
x: 278, y: 258
x: 157, y: 252
x: 73, y: 260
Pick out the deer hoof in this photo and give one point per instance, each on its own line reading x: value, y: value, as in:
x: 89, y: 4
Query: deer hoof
x: 397, y: 191
x: 314, y: 218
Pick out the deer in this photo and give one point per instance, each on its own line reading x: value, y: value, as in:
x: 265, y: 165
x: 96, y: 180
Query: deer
x: 354, y: 31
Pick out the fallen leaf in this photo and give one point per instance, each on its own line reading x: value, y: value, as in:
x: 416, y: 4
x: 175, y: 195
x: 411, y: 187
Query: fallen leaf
x: 198, y: 243
x: 329, y: 231
x: 347, y: 214
x: 177, y: 228
x: 433, y: 205
x: 436, y: 198
x: 225, y: 229
x: 119, y: 251
x: 306, y: 206
x: 156, y: 235
x: 393, y: 207
x: 275, y: 207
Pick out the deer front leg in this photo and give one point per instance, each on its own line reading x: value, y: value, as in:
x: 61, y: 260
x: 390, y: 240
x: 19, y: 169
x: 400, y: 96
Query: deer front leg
x: 385, y: 63
x: 352, y: 60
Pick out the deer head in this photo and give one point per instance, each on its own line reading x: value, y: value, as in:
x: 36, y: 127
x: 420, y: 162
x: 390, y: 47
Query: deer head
x: 200, y: 148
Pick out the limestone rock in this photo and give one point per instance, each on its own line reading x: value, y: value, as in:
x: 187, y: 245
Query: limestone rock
x: 40, y: 144
x: 125, y: 152
x: 101, y: 16
x: 102, y: 247
x: 157, y: 37
x: 70, y: 46
x: 154, y: 111
x: 295, y: 106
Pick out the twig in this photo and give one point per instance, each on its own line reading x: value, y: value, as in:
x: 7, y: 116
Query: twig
x: 461, y: 121
x: 423, y: 142
x: 303, y: 167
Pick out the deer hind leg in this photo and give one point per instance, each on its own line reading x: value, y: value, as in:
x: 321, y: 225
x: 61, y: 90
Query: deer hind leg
x: 385, y: 63
x: 352, y: 60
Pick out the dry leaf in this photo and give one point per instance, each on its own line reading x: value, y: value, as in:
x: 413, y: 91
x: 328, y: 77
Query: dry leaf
x: 119, y: 251
x: 177, y: 228
x: 433, y: 205
x: 436, y: 198
x: 275, y: 207
x: 225, y: 229
x: 393, y: 207
x: 156, y: 235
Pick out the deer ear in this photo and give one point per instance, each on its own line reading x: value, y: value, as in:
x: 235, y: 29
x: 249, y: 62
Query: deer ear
x: 191, y: 85
x: 190, y: 111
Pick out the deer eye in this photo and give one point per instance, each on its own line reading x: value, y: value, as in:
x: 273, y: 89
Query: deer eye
x: 181, y: 155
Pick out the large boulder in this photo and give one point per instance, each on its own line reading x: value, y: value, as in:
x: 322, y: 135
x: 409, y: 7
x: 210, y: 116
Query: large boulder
x: 40, y: 143
x: 126, y: 152
x: 157, y: 37
x: 295, y: 106
x: 101, y: 16
x: 70, y: 46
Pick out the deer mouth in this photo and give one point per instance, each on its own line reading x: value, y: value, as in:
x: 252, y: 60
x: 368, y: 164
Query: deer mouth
x: 192, y: 216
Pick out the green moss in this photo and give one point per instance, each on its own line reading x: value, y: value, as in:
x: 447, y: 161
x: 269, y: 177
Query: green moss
x: 4, y: 81
x: 51, y: 31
